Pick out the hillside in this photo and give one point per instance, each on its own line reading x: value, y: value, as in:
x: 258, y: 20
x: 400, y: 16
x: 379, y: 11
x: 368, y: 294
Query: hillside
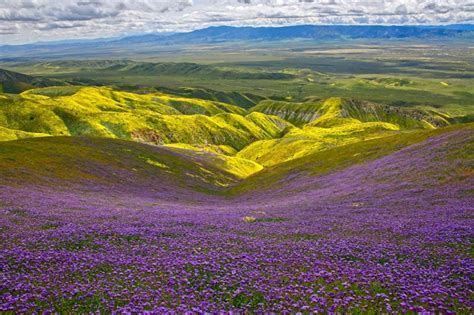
x: 267, y: 134
x: 123, y: 199
x: 319, y: 113
x: 122, y: 164
x: 275, y: 178
x: 244, y: 100
x: 315, y: 72
x: 152, y: 118
x: 14, y: 82
x: 331, y: 123
x: 129, y: 67
x: 200, y: 70
x: 106, y: 162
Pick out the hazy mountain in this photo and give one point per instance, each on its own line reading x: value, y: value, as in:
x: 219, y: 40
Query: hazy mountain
x: 228, y: 33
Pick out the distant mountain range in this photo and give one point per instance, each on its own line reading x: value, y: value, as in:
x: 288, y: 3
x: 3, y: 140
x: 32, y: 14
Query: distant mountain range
x: 317, y: 32
x: 219, y: 34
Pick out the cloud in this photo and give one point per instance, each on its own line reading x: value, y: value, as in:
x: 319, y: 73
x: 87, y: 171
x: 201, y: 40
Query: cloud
x: 32, y: 20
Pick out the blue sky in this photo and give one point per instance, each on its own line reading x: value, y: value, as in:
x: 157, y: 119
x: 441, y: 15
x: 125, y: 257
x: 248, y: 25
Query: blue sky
x: 24, y: 21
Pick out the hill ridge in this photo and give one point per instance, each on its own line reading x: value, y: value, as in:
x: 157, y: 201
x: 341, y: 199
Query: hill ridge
x: 15, y: 82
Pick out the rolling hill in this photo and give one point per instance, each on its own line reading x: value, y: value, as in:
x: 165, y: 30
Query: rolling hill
x: 324, y: 112
x: 331, y: 123
x: 122, y: 164
x: 106, y: 162
x: 14, y: 82
x: 244, y: 100
x: 152, y: 118
x: 130, y: 67
x: 270, y: 133
x: 186, y: 68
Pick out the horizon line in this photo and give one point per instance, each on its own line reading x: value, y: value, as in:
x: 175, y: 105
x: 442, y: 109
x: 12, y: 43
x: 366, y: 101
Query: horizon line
x: 169, y: 33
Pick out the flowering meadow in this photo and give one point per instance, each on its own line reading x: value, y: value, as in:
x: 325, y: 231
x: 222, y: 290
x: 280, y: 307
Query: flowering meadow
x: 85, y: 233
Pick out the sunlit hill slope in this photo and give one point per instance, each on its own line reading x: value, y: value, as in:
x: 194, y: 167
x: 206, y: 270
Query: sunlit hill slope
x: 243, y: 140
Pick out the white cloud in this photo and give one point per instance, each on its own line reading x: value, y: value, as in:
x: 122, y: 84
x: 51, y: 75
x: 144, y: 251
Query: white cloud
x: 33, y: 20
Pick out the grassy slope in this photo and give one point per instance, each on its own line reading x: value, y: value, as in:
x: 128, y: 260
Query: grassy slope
x: 14, y: 82
x: 320, y: 112
x: 331, y: 123
x: 121, y: 165
x: 244, y: 100
x: 88, y: 162
x: 220, y: 158
x: 335, y: 159
x: 152, y: 118
x: 245, y: 142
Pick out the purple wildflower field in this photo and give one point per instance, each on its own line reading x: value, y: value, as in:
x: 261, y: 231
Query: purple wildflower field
x: 388, y: 235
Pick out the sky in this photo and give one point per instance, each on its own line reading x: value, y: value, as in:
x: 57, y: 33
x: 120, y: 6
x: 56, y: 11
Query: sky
x: 24, y: 21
